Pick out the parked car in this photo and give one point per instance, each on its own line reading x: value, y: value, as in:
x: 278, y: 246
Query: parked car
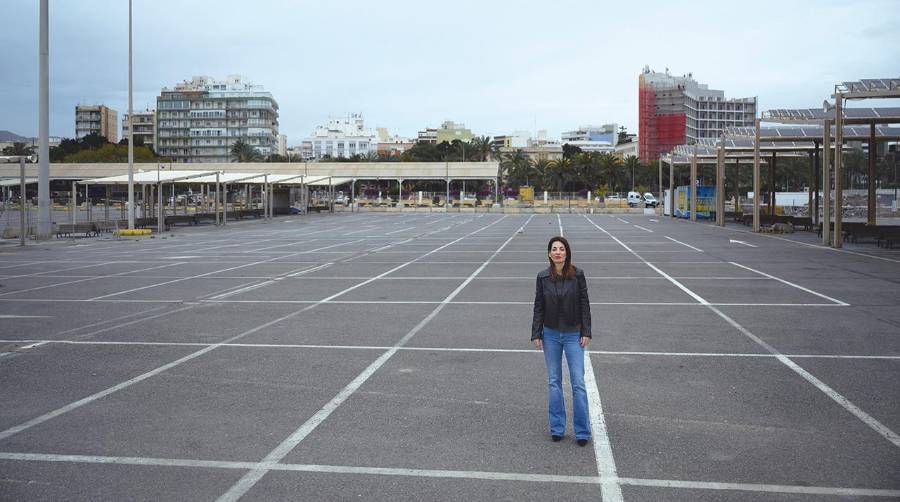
x: 650, y: 200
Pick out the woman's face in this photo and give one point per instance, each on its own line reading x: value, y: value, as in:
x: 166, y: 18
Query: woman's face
x: 558, y: 253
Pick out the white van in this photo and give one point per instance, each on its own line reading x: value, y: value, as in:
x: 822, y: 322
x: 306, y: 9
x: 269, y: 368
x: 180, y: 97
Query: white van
x: 650, y: 200
x: 635, y: 199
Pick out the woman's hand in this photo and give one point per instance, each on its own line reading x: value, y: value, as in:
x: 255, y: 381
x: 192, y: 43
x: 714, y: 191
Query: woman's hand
x: 538, y: 343
x: 585, y: 340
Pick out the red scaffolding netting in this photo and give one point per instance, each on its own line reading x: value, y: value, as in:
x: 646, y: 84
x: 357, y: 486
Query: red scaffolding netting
x: 657, y: 133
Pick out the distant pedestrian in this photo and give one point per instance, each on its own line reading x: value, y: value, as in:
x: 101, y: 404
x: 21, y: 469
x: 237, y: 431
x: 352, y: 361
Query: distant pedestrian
x: 562, y: 324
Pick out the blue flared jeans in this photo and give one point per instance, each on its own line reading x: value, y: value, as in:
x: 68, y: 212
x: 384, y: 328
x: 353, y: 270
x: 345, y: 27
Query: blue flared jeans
x: 555, y: 344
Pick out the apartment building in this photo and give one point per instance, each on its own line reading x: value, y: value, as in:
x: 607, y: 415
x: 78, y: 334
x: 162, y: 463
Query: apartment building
x: 96, y: 119
x: 341, y: 137
x: 144, y: 127
x: 199, y: 120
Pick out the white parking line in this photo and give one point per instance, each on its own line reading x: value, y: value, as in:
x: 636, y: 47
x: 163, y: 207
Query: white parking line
x: 449, y: 474
x: 874, y: 424
x: 198, y: 276
x: 128, y: 383
x: 801, y: 288
x: 606, y: 464
x: 276, y: 455
x: 644, y: 229
x: 683, y: 244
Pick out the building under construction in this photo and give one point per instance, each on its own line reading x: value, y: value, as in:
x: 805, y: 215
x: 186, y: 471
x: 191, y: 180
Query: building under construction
x: 678, y: 110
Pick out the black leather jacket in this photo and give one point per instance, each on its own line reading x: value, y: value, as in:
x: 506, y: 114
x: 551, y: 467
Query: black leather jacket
x: 562, y: 304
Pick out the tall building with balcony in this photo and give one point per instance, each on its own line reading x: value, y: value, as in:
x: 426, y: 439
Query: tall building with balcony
x: 678, y: 110
x: 341, y: 137
x: 96, y: 119
x: 199, y: 120
x: 144, y: 127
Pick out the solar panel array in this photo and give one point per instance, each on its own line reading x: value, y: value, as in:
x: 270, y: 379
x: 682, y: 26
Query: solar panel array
x: 872, y: 85
x: 813, y: 132
x: 818, y: 114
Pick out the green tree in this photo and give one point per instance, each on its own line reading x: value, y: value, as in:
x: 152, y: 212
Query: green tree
x: 481, y: 147
x: 18, y: 149
x: 633, y: 167
x: 111, y: 153
x: 541, y: 169
x: 242, y: 151
x: 611, y: 167
x: 559, y: 173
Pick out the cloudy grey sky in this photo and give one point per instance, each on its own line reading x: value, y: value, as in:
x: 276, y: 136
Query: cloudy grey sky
x: 496, y: 66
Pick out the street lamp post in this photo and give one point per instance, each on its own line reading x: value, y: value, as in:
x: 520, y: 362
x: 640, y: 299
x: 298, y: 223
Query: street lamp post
x: 130, y: 130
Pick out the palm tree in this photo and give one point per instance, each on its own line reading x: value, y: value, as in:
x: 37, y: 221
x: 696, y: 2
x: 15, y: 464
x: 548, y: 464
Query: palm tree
x: 632, y: 163
x: 559, y: 172
x: 242, y: 151
x: 540, y: 170
x: 610, y: 166
x: 521, y: 168
x: 482, y: 147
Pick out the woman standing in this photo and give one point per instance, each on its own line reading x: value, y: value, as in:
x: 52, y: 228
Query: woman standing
x: 562, y: 324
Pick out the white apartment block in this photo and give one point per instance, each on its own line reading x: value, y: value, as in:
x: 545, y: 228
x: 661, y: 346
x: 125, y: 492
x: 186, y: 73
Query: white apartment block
x: 201, y: 119
x: 341, y: 137
x: 593, y: 138
x: 144, y: 127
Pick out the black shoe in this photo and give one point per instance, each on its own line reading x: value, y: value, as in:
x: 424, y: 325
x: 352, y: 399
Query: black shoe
x: 582, y: 442
x: 556, y: 439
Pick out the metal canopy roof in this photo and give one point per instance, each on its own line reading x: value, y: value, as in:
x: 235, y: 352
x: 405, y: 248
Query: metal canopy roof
x: 150, y: 177
x: 14, y: 182
x: 328, y: 181
x: 870, y: 88
x: 810, y: 133
x: 819, y: 115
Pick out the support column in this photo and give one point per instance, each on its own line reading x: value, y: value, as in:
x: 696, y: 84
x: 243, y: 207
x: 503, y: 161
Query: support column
x: 400, y: 194
x: 693, y: 185
x: 772, y: 185
x: 224, y: 203
x: 447, y: 200
x: 270, y: 202
x: 74, y: 201
x: 838, y: 169
x: 160, y: 209
x: 737, y: 186
x: 106, y: 204
x: 218, y: 194
x: 826, y: 184
x: 756, y: 194
x: 264, y: 197
x: 812, y: 174
x: 352, y: 194
x: 22, y: 191
x: 671, y: 187
x: 816, y: 184
x: 873, y: 206
x: 720, y: 183
x: 659, y: 169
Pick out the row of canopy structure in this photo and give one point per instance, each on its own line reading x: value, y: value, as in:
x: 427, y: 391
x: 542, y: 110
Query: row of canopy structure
x: 152, y: 186
x: 260, y: 178
x: 808, y: 132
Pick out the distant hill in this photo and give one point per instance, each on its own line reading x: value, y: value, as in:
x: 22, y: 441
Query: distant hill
x: 7, y: 136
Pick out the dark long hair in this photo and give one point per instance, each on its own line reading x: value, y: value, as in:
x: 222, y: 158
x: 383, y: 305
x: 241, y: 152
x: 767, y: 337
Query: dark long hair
x: 568, y: 270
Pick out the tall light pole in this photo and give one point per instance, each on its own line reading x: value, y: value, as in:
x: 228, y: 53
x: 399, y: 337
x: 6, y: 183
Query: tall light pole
x: 43, y: 230
x: 130, y: 130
